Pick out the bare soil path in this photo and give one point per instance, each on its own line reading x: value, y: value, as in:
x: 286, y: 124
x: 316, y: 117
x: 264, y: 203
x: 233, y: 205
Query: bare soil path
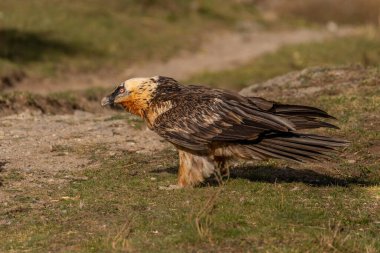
x: 222, y: 51
x: 228, y: 50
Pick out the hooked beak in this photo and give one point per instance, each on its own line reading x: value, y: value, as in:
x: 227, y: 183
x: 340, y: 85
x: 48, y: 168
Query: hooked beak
x: 110, y: 99
x: 107, y: 101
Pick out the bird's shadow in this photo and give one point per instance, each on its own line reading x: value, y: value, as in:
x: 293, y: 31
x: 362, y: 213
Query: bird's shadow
x: 280, y: 174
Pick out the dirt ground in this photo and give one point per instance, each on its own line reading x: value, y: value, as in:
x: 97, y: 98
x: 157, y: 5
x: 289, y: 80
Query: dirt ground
x: 37, y: 148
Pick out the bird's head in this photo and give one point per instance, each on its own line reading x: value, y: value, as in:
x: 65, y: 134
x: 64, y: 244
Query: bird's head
x: 133, y: 94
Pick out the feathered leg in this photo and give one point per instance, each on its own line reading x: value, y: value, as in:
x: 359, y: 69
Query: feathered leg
x: 193, y: 169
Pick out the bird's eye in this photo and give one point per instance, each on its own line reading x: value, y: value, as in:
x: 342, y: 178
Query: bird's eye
x: 121, y: 90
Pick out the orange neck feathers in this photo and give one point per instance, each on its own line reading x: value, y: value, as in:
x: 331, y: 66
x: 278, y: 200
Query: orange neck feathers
x: 137, y: 103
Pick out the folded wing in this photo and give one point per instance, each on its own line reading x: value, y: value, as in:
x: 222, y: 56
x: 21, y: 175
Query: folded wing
x: 202, y: 118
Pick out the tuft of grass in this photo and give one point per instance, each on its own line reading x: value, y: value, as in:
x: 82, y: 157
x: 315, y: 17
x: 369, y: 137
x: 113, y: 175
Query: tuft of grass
x: 53, y: 103
x: 66, y: 96
x: 341, y: 51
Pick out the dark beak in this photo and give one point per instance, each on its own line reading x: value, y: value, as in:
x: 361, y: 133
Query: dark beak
x: 107, y: 101
x: 110, y: 99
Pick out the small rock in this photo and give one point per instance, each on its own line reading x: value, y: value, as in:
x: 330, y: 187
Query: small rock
x: 295, y: 189
x: 351, y: 161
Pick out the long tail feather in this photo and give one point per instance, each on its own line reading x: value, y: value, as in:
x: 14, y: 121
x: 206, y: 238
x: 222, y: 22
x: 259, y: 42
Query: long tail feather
x: 300, y: 110
x: 291, y: 146
x: 304, y: 117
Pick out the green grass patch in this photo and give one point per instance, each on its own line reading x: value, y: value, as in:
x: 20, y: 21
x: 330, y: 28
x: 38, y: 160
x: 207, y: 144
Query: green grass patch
x: 119, y: 207
x: 323, y: 11
x: 44, y: 37
x: 341, y: 51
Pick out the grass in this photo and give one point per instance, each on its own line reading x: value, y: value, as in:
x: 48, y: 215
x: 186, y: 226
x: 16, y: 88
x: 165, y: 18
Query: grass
x: 53, y: 103
x: 91, y: 215
x: 45, y: 38
x: 116, y: 205
x: 341, y: 51
x: 323, y: 11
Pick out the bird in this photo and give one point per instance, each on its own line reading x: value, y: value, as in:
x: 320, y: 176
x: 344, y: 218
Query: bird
x: 211, y: 127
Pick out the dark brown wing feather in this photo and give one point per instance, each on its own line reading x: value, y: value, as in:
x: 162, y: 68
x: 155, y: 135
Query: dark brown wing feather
x: 303, y: 117
x: 202, y: 116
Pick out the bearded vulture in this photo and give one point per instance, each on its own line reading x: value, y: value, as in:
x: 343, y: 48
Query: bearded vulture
x: 209, y: 126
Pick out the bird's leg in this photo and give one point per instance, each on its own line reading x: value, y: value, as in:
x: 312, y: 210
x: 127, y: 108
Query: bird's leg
x: 221, y: 170
x: 193, y: 169
x: 221, y: 165
x: 190, y: 169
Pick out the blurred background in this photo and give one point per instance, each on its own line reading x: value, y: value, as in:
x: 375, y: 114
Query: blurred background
x: 50, y: 46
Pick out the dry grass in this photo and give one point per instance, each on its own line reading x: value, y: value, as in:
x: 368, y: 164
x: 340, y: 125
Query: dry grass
x: 120, y: 241
x: 203, y: 219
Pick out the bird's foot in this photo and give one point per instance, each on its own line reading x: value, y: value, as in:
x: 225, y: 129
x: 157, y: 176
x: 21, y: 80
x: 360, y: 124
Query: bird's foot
x: 171, y: 187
